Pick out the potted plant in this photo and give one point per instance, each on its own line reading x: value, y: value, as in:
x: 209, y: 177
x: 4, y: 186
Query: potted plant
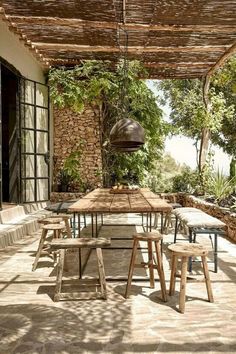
x: 63, y: 180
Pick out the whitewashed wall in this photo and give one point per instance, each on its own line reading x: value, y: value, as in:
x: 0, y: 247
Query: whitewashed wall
x: 16, y: 54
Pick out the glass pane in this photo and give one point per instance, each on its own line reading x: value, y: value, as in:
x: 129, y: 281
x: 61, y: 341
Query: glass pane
x: 41, y: 95
x: 29, y: 190
x: 27, y: 141
x: 27, y: 113
x: 42, y: 167
x: 42, y: 189
x: 42, y: 142
x: 28, y: 166
x: 42, y: 118
x: 29, y: 92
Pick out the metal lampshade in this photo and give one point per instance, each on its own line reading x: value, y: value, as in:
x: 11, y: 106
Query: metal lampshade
x: 127, y: 135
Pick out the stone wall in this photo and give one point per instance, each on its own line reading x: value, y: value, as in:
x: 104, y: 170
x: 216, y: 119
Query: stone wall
x: 64, y: 196
x: 70, y: 128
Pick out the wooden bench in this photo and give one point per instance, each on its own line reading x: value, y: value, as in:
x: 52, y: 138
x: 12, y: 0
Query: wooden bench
x: 63, y: 244
x: 199, y: 222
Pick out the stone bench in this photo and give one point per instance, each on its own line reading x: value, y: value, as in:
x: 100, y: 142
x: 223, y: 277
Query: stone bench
x: 19, y: 221
x: 199, y: 222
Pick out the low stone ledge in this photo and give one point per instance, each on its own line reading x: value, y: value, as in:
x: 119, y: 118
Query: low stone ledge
x: 63, y: 196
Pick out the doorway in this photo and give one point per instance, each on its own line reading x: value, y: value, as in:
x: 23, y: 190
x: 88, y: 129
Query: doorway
x: 9, y: 93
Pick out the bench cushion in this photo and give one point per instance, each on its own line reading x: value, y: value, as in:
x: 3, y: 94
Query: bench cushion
x: 194, y: 217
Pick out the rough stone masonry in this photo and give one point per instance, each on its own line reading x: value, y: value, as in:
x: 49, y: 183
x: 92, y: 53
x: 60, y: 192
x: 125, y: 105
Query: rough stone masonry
x: 72, y: 128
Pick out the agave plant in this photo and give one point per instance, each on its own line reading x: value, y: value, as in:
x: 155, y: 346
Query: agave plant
x: 220, y: 186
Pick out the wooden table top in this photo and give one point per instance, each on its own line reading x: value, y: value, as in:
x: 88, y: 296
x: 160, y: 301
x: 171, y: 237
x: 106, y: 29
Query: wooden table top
x: 102, y: 201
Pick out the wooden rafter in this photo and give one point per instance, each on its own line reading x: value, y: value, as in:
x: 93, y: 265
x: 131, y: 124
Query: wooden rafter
x: 169, y: 38
x: 131, y: 49
x: 78, y: 23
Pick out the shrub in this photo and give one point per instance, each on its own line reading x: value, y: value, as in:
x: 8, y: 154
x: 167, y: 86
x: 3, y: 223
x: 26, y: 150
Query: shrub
x: 187, y: 181
x: 220, y: 186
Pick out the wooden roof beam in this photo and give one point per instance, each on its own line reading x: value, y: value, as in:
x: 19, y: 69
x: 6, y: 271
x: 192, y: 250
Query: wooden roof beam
x: 131, y: 49
x: 217, y: 65
x: 78, y: 23
x: 179, y: 65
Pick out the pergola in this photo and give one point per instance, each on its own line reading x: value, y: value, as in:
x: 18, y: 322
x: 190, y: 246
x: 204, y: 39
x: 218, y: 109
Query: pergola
x: 174, y: 39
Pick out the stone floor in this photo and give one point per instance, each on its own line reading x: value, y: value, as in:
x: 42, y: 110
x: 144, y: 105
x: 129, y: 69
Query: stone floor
x: 30, y: 322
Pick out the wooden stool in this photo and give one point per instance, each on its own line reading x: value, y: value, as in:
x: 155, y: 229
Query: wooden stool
x: 149, y: 237
x: 56, y: 219
x: 63, y: 244
x: 51, y: 220
x: 66, y: 218
x: 57, y: 231
x: 184, y: 252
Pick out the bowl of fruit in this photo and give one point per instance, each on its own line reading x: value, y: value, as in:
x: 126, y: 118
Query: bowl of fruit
x: 124, y: 188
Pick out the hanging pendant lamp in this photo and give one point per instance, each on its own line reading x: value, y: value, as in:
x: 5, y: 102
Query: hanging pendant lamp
x: 126, y: 135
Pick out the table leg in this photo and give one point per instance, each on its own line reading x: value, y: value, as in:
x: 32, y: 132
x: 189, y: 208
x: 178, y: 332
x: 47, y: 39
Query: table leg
x: 78, y: 224
x: 92, y: 225
x: 190, y: 263
x: 215, y: 254
x: 162, y: 227
x: 150, y: 222
x: 176, y: 229
x: 96, y: 224
x: 74, y: 224
x: 147, y: 223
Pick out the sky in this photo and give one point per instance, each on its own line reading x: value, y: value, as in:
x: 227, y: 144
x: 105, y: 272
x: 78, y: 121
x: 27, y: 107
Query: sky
x: 182, y: 149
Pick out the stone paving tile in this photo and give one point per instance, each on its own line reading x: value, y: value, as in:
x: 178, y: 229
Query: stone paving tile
x: 30, y: 322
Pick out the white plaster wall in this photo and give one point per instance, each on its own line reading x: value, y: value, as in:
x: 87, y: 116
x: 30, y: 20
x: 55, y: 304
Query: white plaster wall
x: 16, y: 54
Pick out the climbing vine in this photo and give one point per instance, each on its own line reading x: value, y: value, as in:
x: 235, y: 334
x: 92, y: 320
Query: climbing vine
x: 97, y: 84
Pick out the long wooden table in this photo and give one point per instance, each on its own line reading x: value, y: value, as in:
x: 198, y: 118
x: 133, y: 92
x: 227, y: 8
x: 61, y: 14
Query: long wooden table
x: 102, y: 201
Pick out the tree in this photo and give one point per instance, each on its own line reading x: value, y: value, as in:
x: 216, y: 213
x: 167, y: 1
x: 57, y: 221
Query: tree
x: 96, y: 83
x: 190, y: 114
x: 224, y: 83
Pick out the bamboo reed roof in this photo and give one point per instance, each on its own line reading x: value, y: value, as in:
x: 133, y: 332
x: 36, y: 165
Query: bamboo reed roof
x: 174, y: 39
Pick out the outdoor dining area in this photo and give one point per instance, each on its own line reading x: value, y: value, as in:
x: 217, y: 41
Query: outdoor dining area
x: 110, y: 241
x: 117, y: 290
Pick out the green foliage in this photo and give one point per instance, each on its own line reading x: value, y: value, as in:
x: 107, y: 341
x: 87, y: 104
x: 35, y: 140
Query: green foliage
x: 187, y: 181
x: 160, y: 178
x: 232, y: 172
x: 72, y: 166
x: 224, y: 82
x: 70, y: 174
x: 188, y: 112
x: 221, y: 186
x: 94, y: 83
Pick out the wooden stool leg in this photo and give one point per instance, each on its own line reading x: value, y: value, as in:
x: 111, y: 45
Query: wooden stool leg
x: 131, y: 268
x: 68, y: 230
x: 174, y: 261
x: 150, y: 264
x: 101, y: 272
x: 40, y: 247
x: 184, y: 266
x: 160, y: 270
x: 207, y: 279
x: 60, y: 267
